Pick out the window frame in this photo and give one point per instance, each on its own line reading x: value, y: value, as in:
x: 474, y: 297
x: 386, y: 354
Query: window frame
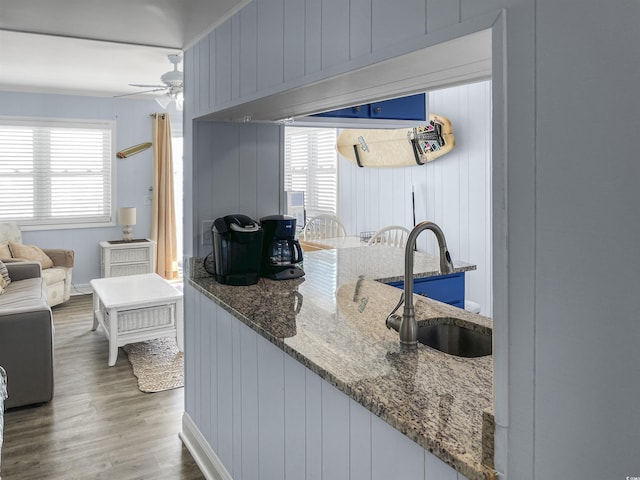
x: 80, y: 123
x: 313, y: 167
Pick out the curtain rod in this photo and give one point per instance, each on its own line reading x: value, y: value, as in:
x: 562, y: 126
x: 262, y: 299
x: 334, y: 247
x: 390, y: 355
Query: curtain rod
x: 156, y: 114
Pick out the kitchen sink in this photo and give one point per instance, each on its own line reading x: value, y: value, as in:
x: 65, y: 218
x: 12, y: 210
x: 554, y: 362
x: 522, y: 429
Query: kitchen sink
x: 455, y: 340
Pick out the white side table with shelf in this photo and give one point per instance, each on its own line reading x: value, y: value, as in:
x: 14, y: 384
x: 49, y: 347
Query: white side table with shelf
x: 119, y: 258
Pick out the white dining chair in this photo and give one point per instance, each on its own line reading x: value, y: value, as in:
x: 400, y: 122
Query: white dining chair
x: 392, y: 236
x: 323, y: 226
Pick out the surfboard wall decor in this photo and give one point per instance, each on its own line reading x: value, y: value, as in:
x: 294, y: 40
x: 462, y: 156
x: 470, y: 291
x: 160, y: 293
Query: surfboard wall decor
x: 400, y: 147
x: 127, y: 152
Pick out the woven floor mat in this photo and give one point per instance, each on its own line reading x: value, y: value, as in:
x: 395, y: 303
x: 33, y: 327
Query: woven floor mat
x: 158, y: 364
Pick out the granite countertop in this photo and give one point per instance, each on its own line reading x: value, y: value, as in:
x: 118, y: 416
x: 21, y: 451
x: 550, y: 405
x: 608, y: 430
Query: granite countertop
x: 332, y: 320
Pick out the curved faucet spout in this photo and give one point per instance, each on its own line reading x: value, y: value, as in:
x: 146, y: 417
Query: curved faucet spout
x: 408, y: 327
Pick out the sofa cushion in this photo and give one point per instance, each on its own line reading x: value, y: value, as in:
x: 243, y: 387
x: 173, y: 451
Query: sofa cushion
x: 29, y: 293
x: 30, y: 252
x: 4, y: 273
x: 4, y: 250
x: 3, y: 284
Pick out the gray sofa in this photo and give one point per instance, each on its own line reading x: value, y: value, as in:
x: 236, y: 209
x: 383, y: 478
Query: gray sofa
x: 26, y: 336
x: 3, y: 396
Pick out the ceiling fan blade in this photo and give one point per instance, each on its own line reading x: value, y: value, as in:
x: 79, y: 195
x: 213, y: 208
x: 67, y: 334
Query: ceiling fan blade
x: 138, y: 93
x: 146, y: 86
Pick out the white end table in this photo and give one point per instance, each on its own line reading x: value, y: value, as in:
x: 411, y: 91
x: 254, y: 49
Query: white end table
x: 119, y: 258
x: 135, y: 308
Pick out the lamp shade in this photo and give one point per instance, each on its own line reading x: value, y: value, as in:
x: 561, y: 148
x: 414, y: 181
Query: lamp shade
x: 127, y: 216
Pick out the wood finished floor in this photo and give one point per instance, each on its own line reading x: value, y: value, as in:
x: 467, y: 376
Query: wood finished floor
x: 99, y: 425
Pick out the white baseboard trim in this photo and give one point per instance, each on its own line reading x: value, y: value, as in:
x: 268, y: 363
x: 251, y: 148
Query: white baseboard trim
x: 204, y: 456
x: 83, y: 289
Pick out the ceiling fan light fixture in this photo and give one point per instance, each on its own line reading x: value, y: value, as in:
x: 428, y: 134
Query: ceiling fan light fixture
x: 179, y: 99
x: 164, y: 100
x: 173, y: 84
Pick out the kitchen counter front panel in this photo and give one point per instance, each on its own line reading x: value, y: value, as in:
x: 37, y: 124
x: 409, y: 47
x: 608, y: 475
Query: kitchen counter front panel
x: 333, y: 322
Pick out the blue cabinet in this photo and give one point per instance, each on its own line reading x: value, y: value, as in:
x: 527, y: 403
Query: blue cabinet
x: 444, y: 288
x: 359, y: 111
x: 403, y: 108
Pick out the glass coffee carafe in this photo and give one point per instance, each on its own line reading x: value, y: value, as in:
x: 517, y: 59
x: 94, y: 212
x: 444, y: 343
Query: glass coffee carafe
x: 285, y: 251
x: 282, y: 253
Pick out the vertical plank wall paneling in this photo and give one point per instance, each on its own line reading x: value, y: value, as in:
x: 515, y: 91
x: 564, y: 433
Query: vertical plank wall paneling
x: 293, y: 47
x: 191, y: 229
x: 335, y: 33
x: 221, y: 56
x: 265, y: 415
x: 225, y: 179
x: 359, y: 442
x: 248, y: 50
x: 270, y: 43
x: 224, y: 386
x: 269, y: 161
x: 335, y: 433
x: 313, y: 424
x: 441, y: 14
x: 248, y: 403
x: 191, y: 84
x: 235, y: 57
x: 236, y: 394
x: 532, y: 254
x: 396, y: 21
x: 207, y: 376
x: 223, y: 159
x: 236, y: 170
x: 453, y: 191
x: 271, y: 414
x: 391, y: 456
x: 295, y: 419
x: 248, y: 153
x: 359, y: 28
x: 202, y: 70
x: 191, y: 303
x: 312, y: 36
x: 206, y: 48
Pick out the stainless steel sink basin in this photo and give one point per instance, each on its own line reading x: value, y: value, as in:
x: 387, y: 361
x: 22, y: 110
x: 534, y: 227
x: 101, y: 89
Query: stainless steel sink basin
x: 455, y: 340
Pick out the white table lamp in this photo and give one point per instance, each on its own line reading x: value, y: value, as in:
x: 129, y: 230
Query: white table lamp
x: 127, y: 218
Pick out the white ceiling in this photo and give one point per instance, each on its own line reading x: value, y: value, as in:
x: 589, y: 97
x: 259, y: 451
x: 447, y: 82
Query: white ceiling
x: 98, y: 47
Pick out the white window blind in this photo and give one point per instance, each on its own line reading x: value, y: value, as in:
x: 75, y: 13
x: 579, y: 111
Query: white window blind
x: 55, y: 171
x: 311, y: 166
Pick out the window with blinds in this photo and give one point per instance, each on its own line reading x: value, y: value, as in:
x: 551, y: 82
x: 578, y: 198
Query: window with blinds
x: 56, y: 172
x: 311, y: 166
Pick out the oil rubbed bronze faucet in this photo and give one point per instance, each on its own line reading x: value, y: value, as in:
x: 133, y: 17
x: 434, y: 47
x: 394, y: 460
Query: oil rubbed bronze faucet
x: 407, y: 326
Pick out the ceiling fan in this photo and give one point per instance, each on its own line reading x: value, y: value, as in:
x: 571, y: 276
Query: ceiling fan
x: 173, y: 86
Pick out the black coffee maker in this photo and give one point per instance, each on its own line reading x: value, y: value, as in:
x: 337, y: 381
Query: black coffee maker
x: 281, y: 252
x: 237, y: 249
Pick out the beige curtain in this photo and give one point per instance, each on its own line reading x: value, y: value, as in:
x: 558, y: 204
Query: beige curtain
x: 163, y: 215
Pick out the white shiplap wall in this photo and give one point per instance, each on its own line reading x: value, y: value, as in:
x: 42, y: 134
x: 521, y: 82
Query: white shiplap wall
x: 453, y: 191
x: 237, y: 170
x: 553, y: 193
x: 262, y: 414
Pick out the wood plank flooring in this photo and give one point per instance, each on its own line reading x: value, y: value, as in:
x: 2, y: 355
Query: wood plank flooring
x: 99, y: 425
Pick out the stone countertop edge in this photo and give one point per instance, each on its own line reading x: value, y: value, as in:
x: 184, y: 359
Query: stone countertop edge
x: 477, y: 465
